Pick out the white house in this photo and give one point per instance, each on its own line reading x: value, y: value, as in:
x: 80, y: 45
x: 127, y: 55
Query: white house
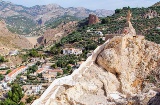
x: 3, y: 66
x: 68, y: 51
x: 99, y: 33
x: 12, y: 75
x: 15, y: 52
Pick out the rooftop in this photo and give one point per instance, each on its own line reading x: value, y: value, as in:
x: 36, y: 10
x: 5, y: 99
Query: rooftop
x: 15, y: 70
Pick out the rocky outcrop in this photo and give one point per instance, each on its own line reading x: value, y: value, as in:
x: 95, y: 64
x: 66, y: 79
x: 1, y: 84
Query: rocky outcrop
x: 52, y: 36
x: 128, y: 29
x: 93, y: 19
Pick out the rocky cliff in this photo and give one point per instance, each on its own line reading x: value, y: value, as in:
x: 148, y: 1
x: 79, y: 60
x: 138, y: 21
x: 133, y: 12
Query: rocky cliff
x: 93, y: 19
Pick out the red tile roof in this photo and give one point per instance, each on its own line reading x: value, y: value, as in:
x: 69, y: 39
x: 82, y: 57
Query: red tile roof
x: 40, y: 70
x: 15, y: 70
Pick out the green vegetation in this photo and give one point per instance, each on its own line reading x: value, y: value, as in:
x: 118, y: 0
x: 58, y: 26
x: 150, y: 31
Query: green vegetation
x: 151, y: 78
x: 8, y: 71
x: 114, y: 24
x: 33, y: 53
x: 2, y: 59
x: 52, y: 23
x: 32, y: 69
x: 20, y: 24
x: 1, y: 77
x: 14, y: 96
x: 30, y: 99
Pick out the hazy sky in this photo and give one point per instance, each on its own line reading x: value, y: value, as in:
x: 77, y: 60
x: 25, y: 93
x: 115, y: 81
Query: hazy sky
x: 90, y: 4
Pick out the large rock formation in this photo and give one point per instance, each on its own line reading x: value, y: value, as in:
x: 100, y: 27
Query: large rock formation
x: 122, y: 71
x: 93, y: 19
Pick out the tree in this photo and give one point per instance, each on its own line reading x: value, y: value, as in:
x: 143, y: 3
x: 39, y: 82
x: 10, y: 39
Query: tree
x: 14, y: 96
x: 21, y: 103
x: 38, y: 63
x: 54, y: 66
x: 29, y: 99
x: 2, y: 59
x: 105, y: 20
x: 33, y: 53
x: 1, y: 77
x: 58, y: 74
x: 117, y: 11
x: 8, y: 71
x: 65, y: 71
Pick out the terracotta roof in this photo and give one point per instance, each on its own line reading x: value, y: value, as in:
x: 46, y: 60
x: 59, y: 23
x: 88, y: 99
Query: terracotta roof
x: 15, y: 70
x: 40, y: 70
x: 56, y: 70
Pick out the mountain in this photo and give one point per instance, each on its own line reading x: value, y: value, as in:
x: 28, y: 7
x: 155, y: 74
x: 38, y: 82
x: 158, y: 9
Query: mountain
x: 122, y: 71
x: 31, y: 17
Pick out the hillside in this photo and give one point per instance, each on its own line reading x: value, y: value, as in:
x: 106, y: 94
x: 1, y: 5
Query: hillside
x: 145, y: 20
x: 10, y: 41
x: 122, y: 71
x: 52, y: 36
x: 31, y: 17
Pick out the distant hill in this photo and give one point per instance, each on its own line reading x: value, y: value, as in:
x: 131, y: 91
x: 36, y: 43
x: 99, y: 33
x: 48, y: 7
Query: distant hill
x: 156, y: 4
x: 146, y: 21
x: 37, y: 15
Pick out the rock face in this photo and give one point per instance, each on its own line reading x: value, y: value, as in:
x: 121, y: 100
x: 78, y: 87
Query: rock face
x: 93, y: 19
x: 54, y: 35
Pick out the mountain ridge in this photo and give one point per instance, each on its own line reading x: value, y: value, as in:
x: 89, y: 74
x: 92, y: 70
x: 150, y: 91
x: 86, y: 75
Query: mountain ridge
x: 39, y: 10
x: 25, y: 19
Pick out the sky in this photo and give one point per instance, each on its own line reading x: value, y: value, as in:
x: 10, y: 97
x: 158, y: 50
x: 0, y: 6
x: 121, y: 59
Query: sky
x: 90, y: 4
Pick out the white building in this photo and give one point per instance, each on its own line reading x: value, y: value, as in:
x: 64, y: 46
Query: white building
x: 68, y: 51
x: 15, y: 52
x: 12, y: 75
x: 99, y: 33
x: 3, y: 66
x: 32, y: 89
